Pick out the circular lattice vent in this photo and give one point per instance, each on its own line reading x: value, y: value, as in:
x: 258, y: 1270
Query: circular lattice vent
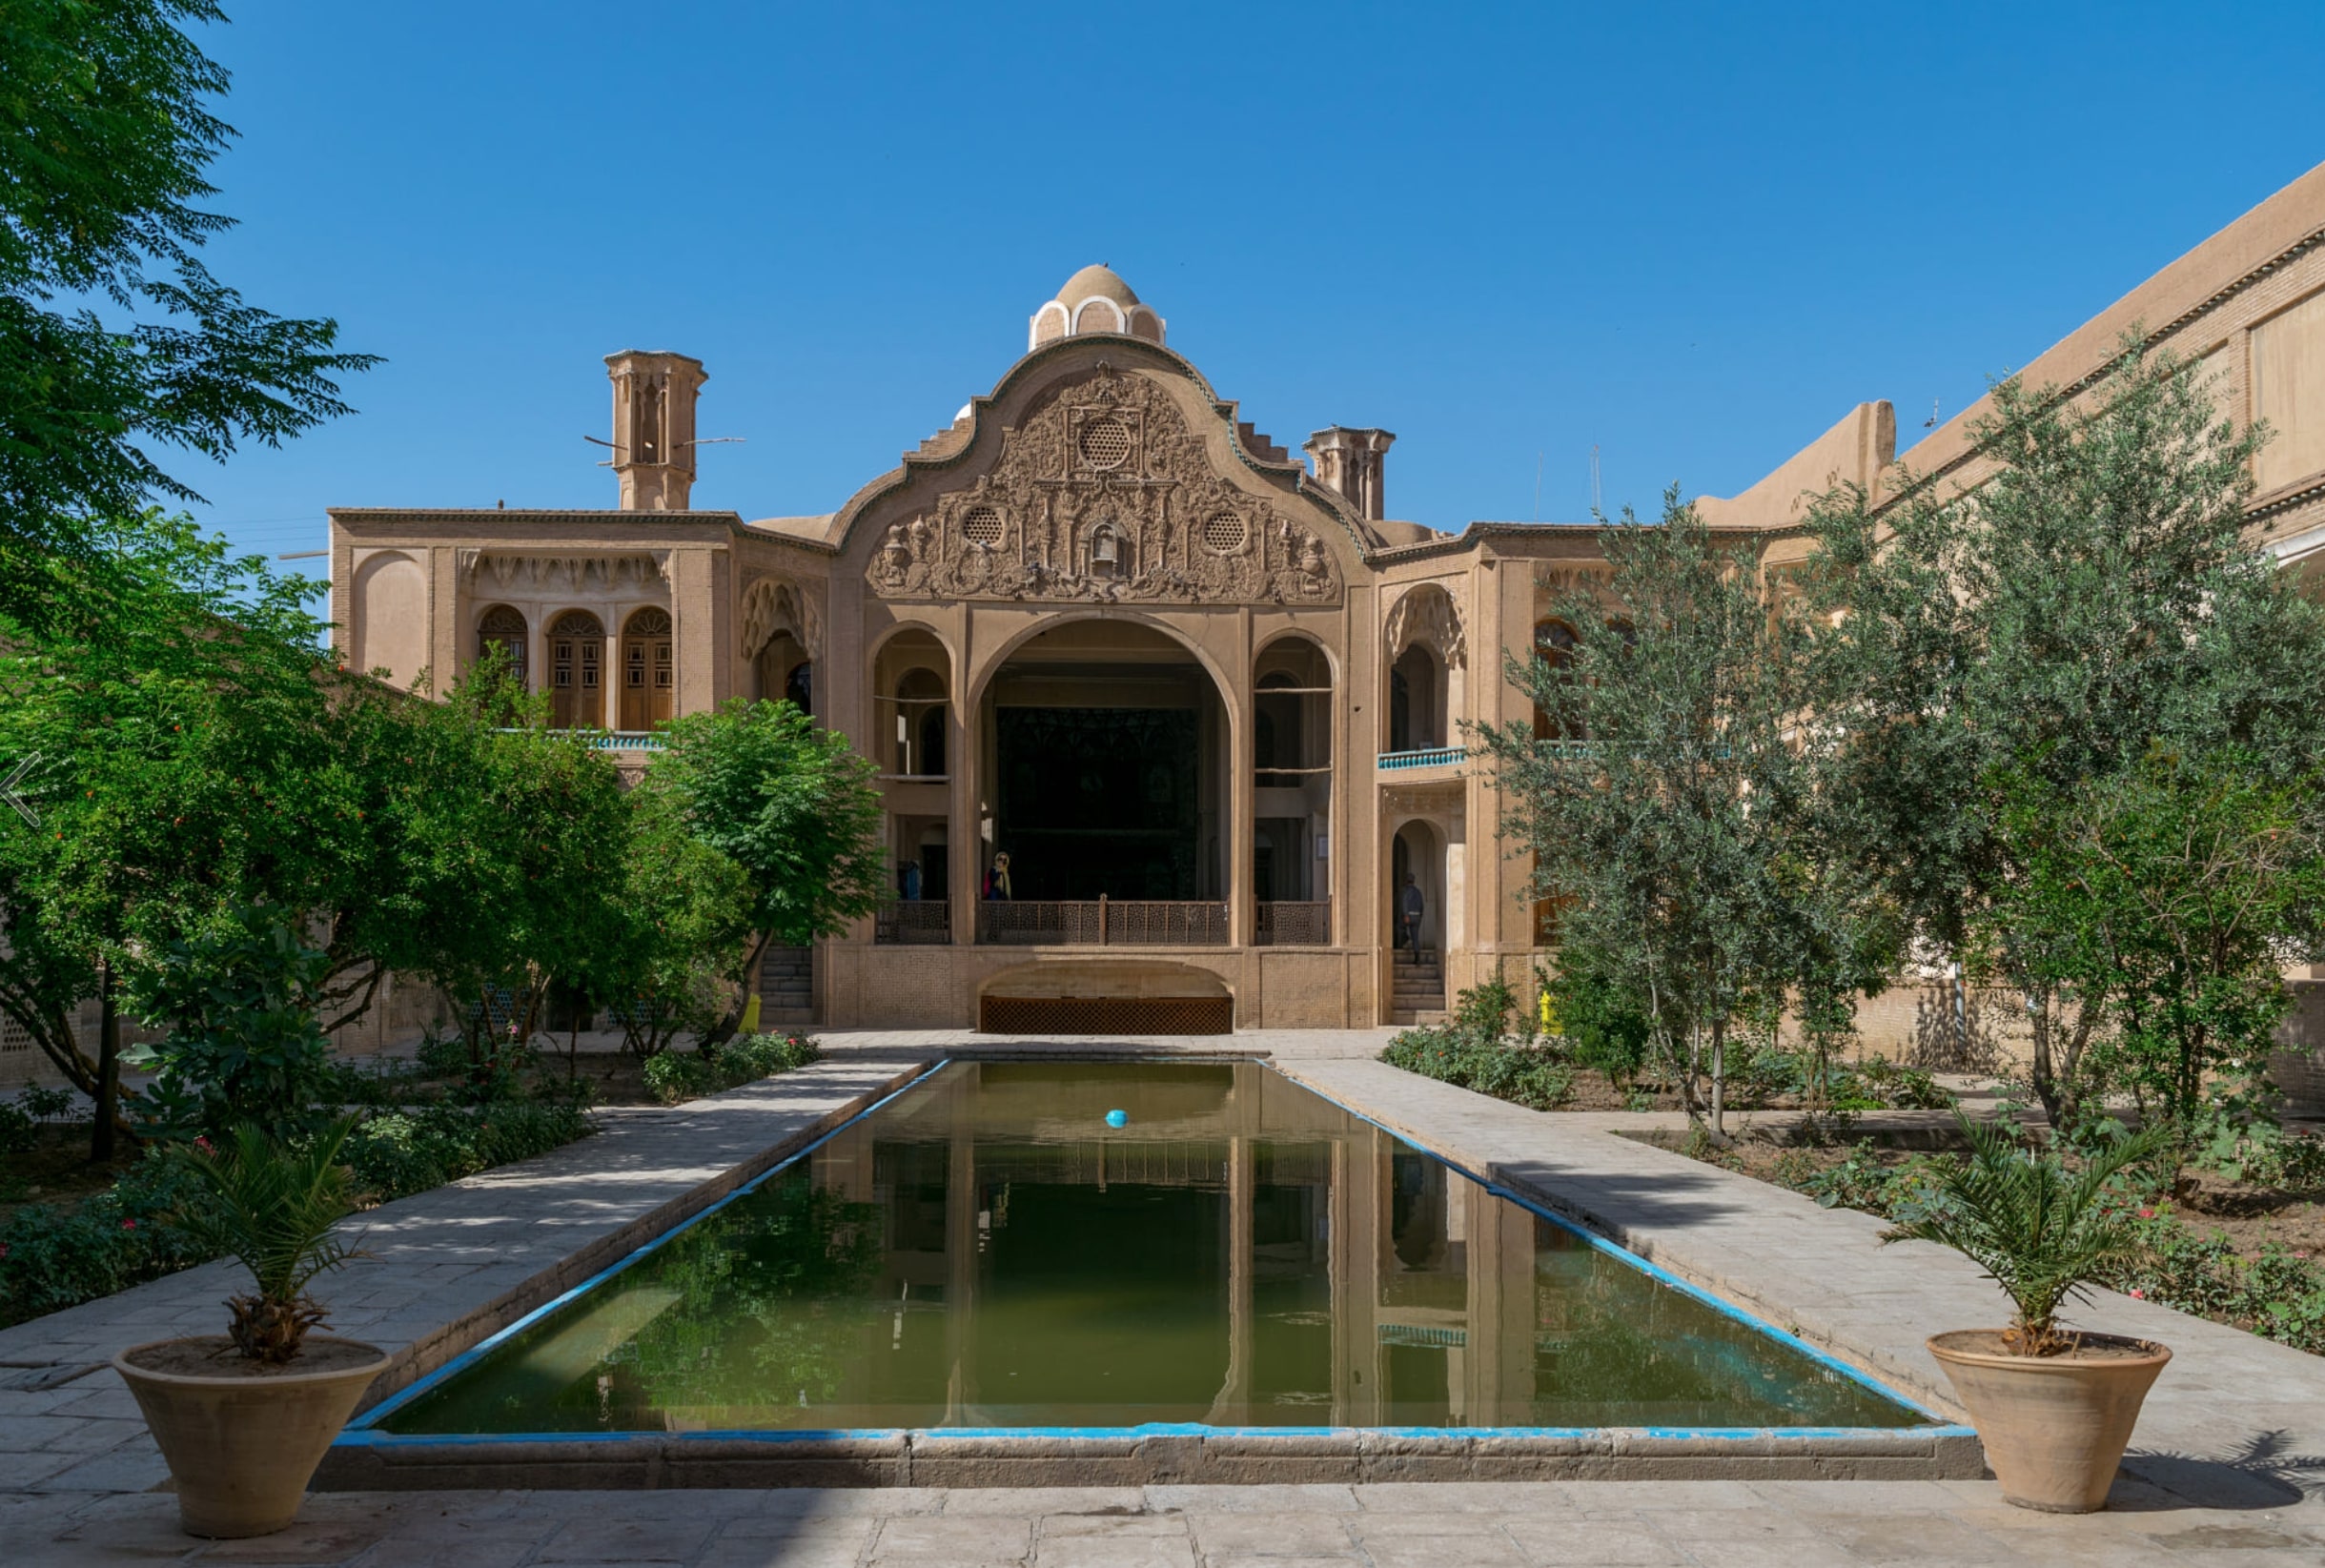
x: 1106, y: 443
x: 1223, y: 532
x: 982, y: 525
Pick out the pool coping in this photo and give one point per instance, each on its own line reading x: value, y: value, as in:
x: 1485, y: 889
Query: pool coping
x: 368, y: 1458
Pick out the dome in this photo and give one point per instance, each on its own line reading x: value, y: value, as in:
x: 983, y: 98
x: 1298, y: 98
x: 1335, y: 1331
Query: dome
x: 1094, y: 299
x: 1099, y: 282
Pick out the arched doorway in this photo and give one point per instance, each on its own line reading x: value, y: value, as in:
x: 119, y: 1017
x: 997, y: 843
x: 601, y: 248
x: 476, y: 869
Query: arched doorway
x: 1418, y: 852
x: 649, y: 669
x: 783, y: 672
x: 1554, y: 644
x: 1416, y: 701
x: 1102, y: 773
x: 576, y: 673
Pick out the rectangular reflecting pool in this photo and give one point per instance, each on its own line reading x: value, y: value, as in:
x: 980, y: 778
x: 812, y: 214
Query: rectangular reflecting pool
x: 984, y: 1251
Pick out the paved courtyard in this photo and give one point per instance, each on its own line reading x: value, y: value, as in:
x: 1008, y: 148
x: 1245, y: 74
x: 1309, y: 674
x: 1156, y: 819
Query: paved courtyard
x: 2229, y: 1464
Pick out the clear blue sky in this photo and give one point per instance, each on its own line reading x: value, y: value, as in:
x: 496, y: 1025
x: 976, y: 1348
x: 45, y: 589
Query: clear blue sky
x: 1693, y: 237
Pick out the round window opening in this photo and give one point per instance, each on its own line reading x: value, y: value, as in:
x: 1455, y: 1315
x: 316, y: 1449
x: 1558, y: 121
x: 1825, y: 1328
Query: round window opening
x: 982, y: 525
x: 1106, y: 443
x: 1223, y: 533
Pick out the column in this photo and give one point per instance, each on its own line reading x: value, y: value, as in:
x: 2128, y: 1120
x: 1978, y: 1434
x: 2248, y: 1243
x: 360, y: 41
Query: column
x: 1242, y: 833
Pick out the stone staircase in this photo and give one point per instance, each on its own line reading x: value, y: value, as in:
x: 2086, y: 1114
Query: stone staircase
x: 786, y: 987
x: 1418, y: 993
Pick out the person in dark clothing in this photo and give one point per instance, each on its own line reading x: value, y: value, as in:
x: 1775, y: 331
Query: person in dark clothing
x: 911, y: 882
x: 1409, y: 908
x: 997, y: 879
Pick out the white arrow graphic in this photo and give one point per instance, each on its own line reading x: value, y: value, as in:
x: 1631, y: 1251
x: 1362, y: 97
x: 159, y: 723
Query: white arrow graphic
x: 7, y: 790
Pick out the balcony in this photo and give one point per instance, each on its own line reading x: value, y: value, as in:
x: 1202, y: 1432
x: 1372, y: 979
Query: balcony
x: 1101, y: 922
x: 1288, y: 924
x: 910, y: 923
x: 605, y: 740
x: 1401, y: 761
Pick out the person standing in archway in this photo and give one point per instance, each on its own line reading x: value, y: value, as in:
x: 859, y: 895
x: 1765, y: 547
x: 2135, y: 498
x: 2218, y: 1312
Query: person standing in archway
x: 1409, y: 908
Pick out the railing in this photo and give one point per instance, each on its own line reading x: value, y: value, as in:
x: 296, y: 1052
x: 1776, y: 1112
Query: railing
x: 914, y: 921
x: 1288, y: 923
x: 615, y: 740
x: 1391, y: 762
x: 1101, y: 922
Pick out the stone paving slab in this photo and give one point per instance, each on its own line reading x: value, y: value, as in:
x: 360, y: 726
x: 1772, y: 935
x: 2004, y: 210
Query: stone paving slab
x: 2234, y: 1419
x: 1704, y: 1525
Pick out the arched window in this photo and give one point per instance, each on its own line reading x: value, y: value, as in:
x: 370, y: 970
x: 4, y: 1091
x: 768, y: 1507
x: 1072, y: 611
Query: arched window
x: 649, y: 669
x: 919, y: 723
x: 1554, y: 644
x: 505, y: 628
x: 577, y: 670
x: 1416, y: 701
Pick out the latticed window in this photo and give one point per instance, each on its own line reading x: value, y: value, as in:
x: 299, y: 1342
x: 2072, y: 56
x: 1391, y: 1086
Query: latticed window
x: 1223, y: 533
x: 982, y: 525
x: 503, y: 628
x: 1106, y: 443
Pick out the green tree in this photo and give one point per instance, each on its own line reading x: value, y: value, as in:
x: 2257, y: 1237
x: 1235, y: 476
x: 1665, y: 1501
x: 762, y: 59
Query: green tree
x: 682, y: 922
x: 115, y: 342
x: 791, y: 804
x: 1684, y: 825
x: 2020, y: 640
x: 176, y: 708
x: 490, y: 851
x: 2172, y: 897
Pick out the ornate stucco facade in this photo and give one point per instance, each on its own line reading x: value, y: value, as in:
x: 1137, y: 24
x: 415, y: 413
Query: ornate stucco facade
x: 1208, y: 696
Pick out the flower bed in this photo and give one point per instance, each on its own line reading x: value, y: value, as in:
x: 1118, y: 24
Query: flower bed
x: 673, y: 1076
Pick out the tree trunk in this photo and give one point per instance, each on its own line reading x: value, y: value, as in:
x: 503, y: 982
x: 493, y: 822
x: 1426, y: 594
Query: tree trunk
x: 1718, y: 1080
x: 109, y: 1069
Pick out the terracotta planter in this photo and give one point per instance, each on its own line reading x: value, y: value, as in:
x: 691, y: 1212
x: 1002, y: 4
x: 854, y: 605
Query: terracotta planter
x: 2054, y: 1426
x: 243, y: 1444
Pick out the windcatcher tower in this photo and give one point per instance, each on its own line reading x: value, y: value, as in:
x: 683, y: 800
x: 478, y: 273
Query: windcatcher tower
x: 654, y: 397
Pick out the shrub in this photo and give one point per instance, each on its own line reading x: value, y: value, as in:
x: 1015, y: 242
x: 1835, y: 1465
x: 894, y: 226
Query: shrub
x: 2040, y: 1230
x: 54, y: 1256
x: 271, y: 1205
x: 1527, y: 1075
x: 402, y: 1153
x: 20, y: 1119
x: 673, y: 1076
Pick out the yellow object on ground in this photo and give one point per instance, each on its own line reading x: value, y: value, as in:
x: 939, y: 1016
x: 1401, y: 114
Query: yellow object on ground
x: 750, y: 1015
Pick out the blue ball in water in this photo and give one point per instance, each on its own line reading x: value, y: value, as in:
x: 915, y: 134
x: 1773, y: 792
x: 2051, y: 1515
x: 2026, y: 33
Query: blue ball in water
x: 1117, y: 1118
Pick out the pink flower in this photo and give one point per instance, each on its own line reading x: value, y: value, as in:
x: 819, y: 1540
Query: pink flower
x: 2147, y: 1214
x: 128, y: 1225
x: 3, y: 1249
x: 202, y: 1144
x: 2136, y: 1293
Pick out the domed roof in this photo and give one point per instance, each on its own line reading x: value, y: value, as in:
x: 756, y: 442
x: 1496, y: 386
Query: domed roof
x: 1095, y: 282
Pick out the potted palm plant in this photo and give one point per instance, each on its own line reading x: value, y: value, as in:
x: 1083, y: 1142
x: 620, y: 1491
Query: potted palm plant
x: 2054, y: 1407
x: 243, y: 1417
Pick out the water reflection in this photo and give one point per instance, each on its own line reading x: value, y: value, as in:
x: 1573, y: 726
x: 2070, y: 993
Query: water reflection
x: 985, y: 1251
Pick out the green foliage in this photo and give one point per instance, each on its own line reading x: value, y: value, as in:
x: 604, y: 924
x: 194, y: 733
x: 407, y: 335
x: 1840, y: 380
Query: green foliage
x: 2168, y: 898
x: 20, y: 1119
x: 54, y: 1256
x: 685, y: 1075
x: 1684, y: 826
x: 185, y: 766
x: 272, y: 1206
x: 2001, y: 675
x: 2277, y: 1294
x: 1603, y: 1024
x: 1526, y: 1076
x: 397, y: 1154
x: 239, y: 999
x: 104, y: 205
x: 790, y: 803
x: 2040, y: 1230
x: 684, y: 921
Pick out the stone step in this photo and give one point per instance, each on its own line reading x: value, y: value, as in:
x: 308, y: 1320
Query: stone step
x: 1414, y: 1018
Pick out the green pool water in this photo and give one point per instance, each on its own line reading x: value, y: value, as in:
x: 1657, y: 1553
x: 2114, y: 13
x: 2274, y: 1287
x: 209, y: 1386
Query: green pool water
x: 985, y: 1251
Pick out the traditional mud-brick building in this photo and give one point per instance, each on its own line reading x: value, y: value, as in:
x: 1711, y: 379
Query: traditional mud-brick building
x: 1204, y: 691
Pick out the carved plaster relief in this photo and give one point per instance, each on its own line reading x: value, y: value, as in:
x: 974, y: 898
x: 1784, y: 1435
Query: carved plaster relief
x: 1104, y: 495
x: 497, y: 571
x: 773, y: 605
x: 1427, y: 613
